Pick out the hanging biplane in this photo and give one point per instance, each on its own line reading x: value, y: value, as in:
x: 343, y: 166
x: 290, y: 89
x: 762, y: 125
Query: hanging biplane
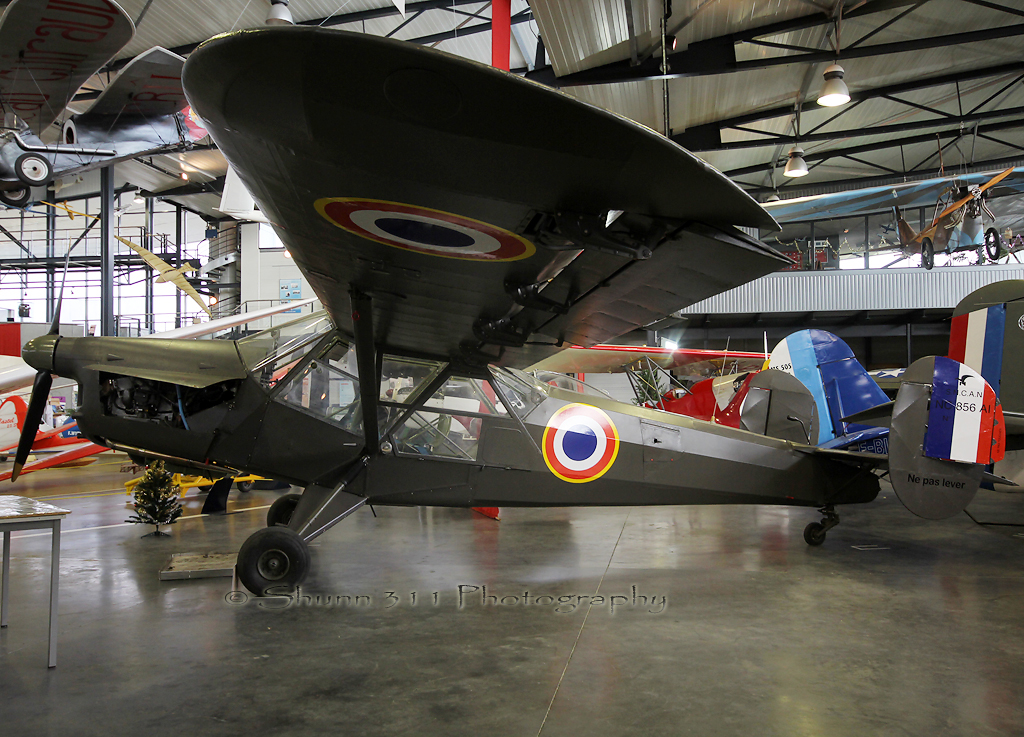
x: 957, y: 225
x: 452, y: 219
x: 48, y: 50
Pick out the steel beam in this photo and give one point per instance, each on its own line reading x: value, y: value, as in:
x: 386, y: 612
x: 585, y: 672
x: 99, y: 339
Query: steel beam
x: 877, y: 146
x: 179, y: 233
x: 772, y: 139
x: 718, y: 56
x: 107, y: 251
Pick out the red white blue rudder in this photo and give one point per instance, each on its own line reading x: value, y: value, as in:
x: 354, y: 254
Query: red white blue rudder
x: 947, y: 424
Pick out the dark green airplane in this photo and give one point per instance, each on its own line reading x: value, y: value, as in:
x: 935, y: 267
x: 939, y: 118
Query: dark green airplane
x: 458, y: 223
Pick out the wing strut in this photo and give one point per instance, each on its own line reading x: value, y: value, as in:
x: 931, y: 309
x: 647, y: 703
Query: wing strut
x: 369, y: 384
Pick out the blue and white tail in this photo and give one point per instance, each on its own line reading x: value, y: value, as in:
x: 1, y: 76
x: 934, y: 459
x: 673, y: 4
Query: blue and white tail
x: 841, y: 387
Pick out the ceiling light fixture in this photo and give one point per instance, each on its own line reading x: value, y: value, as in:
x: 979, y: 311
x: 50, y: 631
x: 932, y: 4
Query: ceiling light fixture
x: 279, y: 14
x: 796, y: 166
x: 834, y: 92
x: 138, y: 199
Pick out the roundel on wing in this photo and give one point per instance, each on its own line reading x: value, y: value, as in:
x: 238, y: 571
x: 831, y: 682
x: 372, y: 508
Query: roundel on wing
x: 424, y: 230
x: 580, y: 443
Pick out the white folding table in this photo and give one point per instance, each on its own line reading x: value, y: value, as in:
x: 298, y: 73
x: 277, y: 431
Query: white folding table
x: 22, y: 513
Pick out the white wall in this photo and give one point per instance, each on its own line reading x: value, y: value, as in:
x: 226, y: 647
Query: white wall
x: 262, y: 272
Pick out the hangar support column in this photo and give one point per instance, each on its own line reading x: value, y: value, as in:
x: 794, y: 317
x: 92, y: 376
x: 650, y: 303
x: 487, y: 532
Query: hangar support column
x: 107, y: 251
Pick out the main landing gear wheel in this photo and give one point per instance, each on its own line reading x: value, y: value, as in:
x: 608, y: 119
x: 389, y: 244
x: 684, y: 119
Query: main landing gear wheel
x: 33, y: 170
x: 280, y: 512
x: 927, y: 253
x: 16, y: 197
x: 274, y: 559
x: 993, y: 246
x: 814, y: 533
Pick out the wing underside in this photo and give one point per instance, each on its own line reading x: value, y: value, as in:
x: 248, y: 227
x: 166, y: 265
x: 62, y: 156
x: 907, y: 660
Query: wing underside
x: 471, y: 206
x: 49, y: 49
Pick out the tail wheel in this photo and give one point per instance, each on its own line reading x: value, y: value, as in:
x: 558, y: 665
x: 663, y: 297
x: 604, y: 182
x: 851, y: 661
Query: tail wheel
x: 280, y: 512
x: 993, y: 246
x: 16, y: 197
x: 245, y: 486
x: 274, y: 559
x: 927, y: 253
x: 33, y: 170
x: 814, y: 534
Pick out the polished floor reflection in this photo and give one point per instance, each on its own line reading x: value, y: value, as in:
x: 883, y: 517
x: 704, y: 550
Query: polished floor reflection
x: 678, y: 620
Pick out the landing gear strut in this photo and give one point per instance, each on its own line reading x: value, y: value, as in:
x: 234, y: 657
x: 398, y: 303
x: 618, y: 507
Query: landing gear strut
x: 814, y: 533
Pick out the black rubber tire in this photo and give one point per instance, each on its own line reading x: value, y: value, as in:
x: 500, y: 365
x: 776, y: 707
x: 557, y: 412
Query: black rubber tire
x: 273, y: 560
x: 927, y: 253
x: 245, y: 486
x: 16, y: 197
x: 814, y: 534
x: 33, y: 170
x: 280, y: 512
x: 993, y: 245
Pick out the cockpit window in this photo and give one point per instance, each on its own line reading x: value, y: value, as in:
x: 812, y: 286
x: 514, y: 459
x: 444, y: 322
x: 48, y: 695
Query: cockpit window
x: 402, y: 379
x: 519, y: 391
x: 561, y: 381
x: 280, y: 346
x: 327, y: 387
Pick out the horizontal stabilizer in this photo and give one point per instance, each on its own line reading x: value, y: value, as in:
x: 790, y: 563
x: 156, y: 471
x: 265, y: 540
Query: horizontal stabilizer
x: 879, y: 416
x: 991, y: 478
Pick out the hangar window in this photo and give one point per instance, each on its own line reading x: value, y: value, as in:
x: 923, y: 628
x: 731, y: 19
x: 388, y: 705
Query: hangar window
x: 452, y: 420
x: 328, y: 387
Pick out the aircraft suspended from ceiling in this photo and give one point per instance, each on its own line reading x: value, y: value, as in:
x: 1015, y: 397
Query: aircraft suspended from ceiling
x: 48, y: 50
x: 958, y: 223
x: 453, y: 220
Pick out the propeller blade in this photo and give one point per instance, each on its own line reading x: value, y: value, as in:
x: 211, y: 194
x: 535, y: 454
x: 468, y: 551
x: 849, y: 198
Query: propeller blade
x: 55, y: 323
x: 990, y: 183
x: 36, y: 405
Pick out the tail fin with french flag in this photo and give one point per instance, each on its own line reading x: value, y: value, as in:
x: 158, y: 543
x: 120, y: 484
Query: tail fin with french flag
x: 987, y: 334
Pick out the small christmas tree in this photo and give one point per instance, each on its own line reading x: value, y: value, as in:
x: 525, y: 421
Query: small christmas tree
x: 156, y: 499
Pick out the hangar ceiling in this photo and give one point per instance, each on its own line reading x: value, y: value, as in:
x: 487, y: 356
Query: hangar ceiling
x: 925, y: 76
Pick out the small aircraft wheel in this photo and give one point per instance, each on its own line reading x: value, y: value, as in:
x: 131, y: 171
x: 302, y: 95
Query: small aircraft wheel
x: 927, y: 253
x: 33, y: 170
x: 814, y: 534
x: 993, y: 246
x: 280, y: 512
x: 273, y: 558
x: 245, y: 486
x: 16, y: 197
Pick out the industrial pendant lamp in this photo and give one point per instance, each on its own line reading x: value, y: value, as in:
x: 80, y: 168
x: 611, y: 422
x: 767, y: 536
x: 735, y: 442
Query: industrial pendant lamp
x: 796, y: 166
x: 279, y: 14
x: 834, y: 92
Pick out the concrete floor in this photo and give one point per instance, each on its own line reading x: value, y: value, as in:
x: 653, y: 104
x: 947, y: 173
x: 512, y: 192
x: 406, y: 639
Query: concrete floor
x: 896, y: 626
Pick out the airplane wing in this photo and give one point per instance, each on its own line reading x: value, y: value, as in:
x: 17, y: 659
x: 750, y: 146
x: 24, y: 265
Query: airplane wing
x: 617, y: 358
x: 149, y: 85
x: 72, y: 453
x: 914, y: 194
x: 162, y: 267
x: 472, y: 207
x: 49, y: 49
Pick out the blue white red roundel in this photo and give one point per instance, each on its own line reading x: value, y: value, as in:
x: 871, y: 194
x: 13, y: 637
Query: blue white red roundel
x: 424, y: 230
x: 580, y: 443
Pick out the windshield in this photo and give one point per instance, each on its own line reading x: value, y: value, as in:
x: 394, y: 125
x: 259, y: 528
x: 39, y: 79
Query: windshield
x: 280, y: 346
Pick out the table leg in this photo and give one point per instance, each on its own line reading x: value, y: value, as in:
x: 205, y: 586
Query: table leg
x: 54, y: 579
x: 5, y: 584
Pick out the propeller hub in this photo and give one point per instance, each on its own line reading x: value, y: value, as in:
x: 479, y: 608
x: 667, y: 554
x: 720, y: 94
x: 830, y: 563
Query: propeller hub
x: 38, y: 352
